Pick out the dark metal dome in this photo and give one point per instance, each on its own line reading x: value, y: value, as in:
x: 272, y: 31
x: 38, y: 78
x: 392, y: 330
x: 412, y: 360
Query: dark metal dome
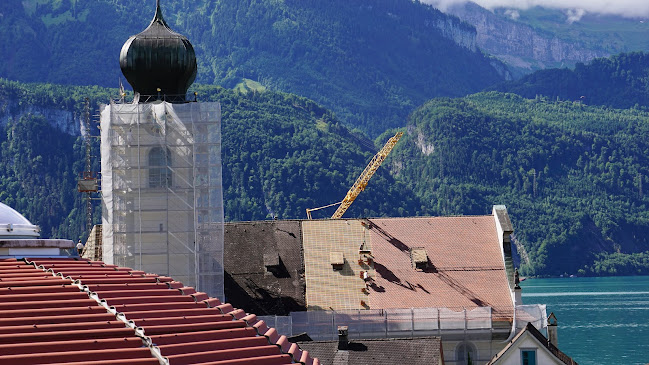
x: 158, y: 58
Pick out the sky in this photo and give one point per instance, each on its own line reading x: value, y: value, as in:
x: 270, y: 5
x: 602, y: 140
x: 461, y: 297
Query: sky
x: 573, y: 8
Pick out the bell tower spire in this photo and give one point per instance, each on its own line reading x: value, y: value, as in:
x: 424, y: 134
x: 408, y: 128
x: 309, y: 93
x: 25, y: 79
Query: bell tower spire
x: 158, y: 12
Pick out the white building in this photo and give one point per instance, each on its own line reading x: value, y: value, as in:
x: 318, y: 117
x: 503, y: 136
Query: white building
x: 530, y: 347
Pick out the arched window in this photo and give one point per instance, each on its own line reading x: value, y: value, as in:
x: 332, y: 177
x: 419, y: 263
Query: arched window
x: 159, y: 171
x: 466, y: 353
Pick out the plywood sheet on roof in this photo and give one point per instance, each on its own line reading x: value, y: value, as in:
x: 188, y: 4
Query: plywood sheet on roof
x: 327, y: 288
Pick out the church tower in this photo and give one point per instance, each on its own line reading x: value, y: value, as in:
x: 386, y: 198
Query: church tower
x: 162, y: 195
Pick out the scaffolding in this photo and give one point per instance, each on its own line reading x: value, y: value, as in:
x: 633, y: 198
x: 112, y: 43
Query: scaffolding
x: 390, y: 323
x: 162, y: 190
x: 93, y: 250
x: 486, y: 334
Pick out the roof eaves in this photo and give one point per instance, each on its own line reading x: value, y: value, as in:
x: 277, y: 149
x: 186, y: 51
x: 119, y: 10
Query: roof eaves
x: 542, y: 340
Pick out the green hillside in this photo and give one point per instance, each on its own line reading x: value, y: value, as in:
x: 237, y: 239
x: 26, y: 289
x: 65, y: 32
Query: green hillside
x: 619, y: 81
x: 371, y: 62
x: 573, y: 177
x: 281, y: 154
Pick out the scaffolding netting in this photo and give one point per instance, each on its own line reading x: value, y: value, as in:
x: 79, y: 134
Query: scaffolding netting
x: 397, y: 323
x: 162, y: 190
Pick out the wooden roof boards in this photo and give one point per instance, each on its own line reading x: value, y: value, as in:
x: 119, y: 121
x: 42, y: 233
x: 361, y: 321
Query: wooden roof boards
x: 264, y: 266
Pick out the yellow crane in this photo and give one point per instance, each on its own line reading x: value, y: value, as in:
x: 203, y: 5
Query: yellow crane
x: 362, y: 180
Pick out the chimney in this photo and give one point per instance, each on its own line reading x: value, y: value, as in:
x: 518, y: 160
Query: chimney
x: 518, y: 296
x: 552, y: 330
x: 343, y: 338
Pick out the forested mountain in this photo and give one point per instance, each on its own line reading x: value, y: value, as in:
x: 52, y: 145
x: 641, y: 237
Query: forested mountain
x: 371, y: 62
x: 573, y: 177
x: 38, y: 166
x: 619, y: 81
x: 281, y: 154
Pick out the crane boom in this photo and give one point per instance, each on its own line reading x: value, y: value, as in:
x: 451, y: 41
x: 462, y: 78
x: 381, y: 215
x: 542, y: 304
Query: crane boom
x: 366, y: 175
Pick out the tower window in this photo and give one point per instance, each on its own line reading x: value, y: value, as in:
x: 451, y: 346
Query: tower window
x: 159, y: 171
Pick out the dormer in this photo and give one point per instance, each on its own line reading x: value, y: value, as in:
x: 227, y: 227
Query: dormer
x: 337, y: 260
x: 418, y: 258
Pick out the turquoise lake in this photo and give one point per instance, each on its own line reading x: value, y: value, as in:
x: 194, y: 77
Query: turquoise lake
x: 601, y: 320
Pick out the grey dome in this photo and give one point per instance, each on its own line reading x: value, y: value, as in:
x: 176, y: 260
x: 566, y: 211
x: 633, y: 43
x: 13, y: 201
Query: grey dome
x: 14, y: 225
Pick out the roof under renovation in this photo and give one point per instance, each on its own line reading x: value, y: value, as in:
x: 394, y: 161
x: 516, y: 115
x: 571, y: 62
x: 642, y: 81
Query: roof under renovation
x: 463, y: 266
x: 76, y: 311
x: 442, y: 262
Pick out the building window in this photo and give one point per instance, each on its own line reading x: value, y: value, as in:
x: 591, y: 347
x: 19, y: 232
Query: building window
x: 528, y: 357
x: 159, y: 171
x: 465, y: 353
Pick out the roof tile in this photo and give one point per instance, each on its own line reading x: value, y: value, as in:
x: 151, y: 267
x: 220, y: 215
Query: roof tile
x: 74, y: 355
x: 220, y: 355
x: 466, y: 267
x: 79, y: 345
x: 48, y: 319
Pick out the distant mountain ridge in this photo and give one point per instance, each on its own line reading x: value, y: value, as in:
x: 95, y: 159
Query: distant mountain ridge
x: 542, y: 38
x: 519, y: 45
x: 571, y: 175
x: 281, y: 154
x: 618, y: 82
x: 370, y: 61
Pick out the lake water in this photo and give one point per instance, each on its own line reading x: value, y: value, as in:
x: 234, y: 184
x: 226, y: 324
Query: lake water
x: 600, y: 320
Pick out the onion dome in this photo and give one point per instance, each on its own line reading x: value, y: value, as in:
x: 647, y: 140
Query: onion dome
x: 14, y: 225
x: 158, y: 60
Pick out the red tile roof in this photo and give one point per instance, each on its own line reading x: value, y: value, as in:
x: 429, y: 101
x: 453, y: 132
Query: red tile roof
x: 466, y: 264
x: 74, y: 311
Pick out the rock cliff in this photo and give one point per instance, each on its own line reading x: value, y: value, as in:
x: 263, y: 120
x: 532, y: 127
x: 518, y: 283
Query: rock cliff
x: 520, y: 45
x: 461, y: 33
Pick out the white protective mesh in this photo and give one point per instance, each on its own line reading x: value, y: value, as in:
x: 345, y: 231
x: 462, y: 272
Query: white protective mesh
x: 405, y: 322
x: 162, y: 190
x: 391, y: 323
x: 536, y: 314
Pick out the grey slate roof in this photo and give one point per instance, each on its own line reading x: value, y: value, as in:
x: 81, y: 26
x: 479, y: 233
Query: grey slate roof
x: 411, y: 351
x: 264, y: 267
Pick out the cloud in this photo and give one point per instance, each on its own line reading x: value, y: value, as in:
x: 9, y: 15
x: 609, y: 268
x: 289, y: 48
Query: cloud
x: 575, y: 15
x: 625, y: 8
x: 514, y: 14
